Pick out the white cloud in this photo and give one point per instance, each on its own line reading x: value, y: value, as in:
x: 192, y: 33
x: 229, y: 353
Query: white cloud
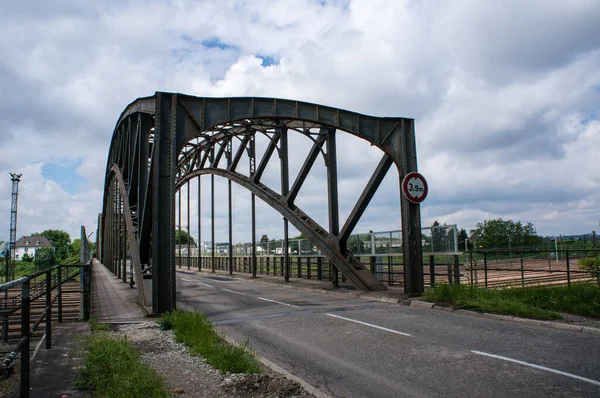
x: 505, y: 96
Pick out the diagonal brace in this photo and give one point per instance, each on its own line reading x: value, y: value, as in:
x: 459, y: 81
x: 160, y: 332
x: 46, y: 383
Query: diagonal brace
x: 222, y: 146
x: 365, y: 198
x: 265, y: 160
x: 308, y: 163
x: 239, y: 153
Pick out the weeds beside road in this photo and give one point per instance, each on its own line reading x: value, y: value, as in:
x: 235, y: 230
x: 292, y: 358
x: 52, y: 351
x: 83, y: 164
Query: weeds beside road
x: 540, y: 302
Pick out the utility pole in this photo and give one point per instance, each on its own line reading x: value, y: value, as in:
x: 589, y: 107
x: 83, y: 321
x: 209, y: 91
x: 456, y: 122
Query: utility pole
x: 15, y: 178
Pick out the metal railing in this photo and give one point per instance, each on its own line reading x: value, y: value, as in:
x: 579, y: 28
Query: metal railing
x: 504, y: 268
x: 32, y: 289
x: 497, y: 268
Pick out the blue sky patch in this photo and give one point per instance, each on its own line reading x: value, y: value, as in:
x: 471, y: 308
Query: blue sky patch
x: 215, y: 42
x: 267, y: 60
x: 63, y: 174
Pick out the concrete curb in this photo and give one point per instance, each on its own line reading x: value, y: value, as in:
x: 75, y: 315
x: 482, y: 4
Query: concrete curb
x: 534, y: 322
x: 278, y: 369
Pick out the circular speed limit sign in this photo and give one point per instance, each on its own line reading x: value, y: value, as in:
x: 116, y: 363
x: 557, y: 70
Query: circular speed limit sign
x: 414, y: 187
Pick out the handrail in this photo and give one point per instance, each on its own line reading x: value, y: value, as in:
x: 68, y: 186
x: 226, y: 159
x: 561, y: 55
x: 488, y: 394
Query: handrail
x: 42, y: 288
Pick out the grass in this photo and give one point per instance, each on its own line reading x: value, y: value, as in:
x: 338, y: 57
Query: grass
x: 112, y: 368
x: 539, y: 302
x: 197, y: 332
x: 96, y: 326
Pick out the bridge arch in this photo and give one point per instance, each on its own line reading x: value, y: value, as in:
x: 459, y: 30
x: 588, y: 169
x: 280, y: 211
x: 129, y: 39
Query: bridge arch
x: 162, y: 142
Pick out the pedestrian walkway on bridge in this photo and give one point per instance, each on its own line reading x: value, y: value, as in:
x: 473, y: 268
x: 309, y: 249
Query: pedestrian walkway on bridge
x: 54, y: 371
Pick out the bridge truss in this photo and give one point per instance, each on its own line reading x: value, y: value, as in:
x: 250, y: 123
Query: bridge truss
x: 160, y: 143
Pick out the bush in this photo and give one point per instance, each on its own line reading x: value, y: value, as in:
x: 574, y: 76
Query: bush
x: 44, y: 258
x: 591, y: 264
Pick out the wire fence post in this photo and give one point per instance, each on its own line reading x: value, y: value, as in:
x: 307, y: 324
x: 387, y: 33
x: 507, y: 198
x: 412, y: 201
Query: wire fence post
x: 319, y: 268
x: 25, y: 338
x: 59, y: 293
x: 431, y: 271
x: 48, y: 309
x: 485, y: 268
x: 568, y: 269
x: 456, y: 270
x: 5, y: 327
x: 522, y: 272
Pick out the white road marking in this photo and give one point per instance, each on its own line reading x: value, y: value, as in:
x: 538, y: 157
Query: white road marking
x: 595, y: 382
x: 278, y: 302
x: 204, y: 284
x: 368, y: 324
x: 233, y: 291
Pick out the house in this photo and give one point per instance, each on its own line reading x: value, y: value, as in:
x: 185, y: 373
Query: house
x: 29, y: 245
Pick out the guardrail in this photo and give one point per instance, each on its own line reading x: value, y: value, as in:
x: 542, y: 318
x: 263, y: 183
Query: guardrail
x: 32, y: 289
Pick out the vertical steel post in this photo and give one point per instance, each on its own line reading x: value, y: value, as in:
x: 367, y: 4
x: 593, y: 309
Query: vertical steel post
x: 332, y: 194
x: 115, y: 258
x: 230, y: 212
x: 188, y: 225
x: 285, y: 188
x: 163, y: 204
x: 200, y: 245
x: 124, y: 248
x: 252, y: 170
x: 25, y: 314
x: 253, y: 205
x: 117, y: 264
x: 178, y: 240
x: 212, y: 211
x: 48, y: 309
x: 212, y: 221
x: 285, y: 267
x: 113, y: 227
x: 411, y: 215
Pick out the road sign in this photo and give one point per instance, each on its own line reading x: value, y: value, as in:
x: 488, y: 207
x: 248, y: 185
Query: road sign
x: 414, y: 187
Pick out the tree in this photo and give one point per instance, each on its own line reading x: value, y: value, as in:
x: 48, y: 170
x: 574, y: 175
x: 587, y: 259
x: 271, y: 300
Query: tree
x: 27, y: 258
x: 462, y: 237
x: 264, y: 238
x: 74, y: 253
x: 439, y: 237
x: 60, y: 240
x: 182, y: 238
x: 504, y: 234
x: 44, y: 258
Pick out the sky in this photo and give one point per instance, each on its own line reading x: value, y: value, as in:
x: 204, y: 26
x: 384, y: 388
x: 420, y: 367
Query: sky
x: 505, y: 96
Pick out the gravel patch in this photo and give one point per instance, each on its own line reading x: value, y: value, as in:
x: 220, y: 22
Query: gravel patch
x: 188, y: 375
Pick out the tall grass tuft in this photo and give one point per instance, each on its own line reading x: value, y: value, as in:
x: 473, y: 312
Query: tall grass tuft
x: 197, y: 332
x: 112, y: 368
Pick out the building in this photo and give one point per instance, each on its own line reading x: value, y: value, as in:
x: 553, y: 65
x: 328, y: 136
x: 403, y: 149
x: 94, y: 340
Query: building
x: 29, y: 245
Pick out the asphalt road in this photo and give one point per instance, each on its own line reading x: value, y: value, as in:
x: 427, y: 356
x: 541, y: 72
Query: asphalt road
x: 354, y: 348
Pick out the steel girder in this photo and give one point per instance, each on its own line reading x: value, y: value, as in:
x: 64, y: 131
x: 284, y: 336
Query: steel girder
x: 162, y: 141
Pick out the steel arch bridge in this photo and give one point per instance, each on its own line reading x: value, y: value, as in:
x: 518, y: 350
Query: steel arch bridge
x: 162, y: 142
